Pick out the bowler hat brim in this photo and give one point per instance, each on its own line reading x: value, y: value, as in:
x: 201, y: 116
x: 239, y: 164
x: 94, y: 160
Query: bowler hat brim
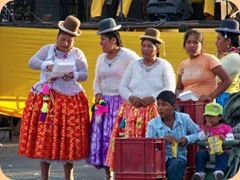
x: 227, y: 30
x: 109, y: 30
x: 152, y: 38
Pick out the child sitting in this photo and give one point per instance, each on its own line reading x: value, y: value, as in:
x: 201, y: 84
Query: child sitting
x: 215, y: 131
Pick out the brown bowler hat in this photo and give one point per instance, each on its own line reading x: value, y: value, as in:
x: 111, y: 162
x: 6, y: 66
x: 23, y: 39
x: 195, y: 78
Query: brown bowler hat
x: 70, y: 25
x: 153, y: 34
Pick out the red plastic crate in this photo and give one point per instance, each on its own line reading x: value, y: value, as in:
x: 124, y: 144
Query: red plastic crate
x: 189, y: 173
x: 140, y: 158
x: 191, y: 155
x: 194, y: 108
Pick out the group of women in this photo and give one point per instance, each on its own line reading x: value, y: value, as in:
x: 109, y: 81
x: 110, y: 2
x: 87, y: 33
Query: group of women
x: 56, y: 124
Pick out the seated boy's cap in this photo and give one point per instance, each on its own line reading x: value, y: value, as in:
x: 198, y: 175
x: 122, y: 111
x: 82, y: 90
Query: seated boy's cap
x: 213, y: 109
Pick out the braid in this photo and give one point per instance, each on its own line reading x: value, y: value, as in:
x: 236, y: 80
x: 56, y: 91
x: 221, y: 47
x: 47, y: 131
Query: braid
x: 118, y: 38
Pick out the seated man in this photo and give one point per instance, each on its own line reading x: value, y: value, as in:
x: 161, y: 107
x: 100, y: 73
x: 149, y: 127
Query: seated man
x: 178, y: 129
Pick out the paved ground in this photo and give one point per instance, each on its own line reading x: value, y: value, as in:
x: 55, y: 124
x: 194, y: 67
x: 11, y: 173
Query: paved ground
x: 20, y: 168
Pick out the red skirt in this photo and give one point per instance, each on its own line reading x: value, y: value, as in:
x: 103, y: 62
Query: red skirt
x: 63, y: 135
x: 136, y: 120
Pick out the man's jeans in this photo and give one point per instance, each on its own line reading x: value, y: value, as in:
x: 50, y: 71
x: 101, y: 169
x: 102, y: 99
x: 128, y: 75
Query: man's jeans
x: 176, y: 168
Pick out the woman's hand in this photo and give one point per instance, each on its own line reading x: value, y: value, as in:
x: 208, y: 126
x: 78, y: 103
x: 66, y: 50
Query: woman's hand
x: 147, y: 101
x: 98, y: 97
x: 68, y: 77
x: 49, y: 67
x: 177, y: 92
x: 135, y: 101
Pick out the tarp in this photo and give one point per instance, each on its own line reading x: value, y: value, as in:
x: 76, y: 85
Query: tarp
x: 18, y: 44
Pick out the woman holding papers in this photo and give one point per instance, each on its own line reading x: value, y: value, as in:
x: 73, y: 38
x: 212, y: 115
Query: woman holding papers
x: 198, y: 73
x: 55, y: 122
x: 110, y: 67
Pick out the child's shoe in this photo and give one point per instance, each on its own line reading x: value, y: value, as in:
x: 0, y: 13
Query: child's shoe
x: 218, y: 175
x: 198, y: 176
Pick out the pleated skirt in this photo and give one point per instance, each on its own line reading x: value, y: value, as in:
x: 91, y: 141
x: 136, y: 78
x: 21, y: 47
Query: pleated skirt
x: 63, y: 135
x: 101, y: 132
x: 135, y: 120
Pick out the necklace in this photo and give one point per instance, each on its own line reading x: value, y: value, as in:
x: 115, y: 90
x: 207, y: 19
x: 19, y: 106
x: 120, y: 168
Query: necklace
x: 148, y: 68
x: 110, y: 62
x: 58, y: 53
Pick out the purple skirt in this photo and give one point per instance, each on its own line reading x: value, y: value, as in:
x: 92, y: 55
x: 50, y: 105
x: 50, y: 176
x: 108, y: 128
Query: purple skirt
x: 101, y: 132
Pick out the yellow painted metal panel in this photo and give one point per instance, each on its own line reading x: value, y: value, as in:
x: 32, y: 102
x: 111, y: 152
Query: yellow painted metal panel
x: 17, y: 45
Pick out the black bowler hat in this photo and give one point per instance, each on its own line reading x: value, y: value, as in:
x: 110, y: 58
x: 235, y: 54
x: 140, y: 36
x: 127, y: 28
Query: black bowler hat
x: 229, y: 26
x: 107, y: 25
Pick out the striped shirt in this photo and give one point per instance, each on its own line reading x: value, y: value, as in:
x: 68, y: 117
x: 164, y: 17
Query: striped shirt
x: 183, y: 127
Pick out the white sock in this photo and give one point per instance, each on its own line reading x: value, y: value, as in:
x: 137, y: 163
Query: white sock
x: 201, y: 174
x: 218, y: 171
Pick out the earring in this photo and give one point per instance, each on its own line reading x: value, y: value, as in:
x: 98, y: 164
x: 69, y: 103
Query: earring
x: 225, y: 35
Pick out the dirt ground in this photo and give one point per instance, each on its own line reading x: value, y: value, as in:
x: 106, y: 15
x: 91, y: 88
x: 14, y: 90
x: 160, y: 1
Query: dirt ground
x: 20, y: 168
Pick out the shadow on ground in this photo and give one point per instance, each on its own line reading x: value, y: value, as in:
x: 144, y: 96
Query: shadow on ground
x: 20, y: 168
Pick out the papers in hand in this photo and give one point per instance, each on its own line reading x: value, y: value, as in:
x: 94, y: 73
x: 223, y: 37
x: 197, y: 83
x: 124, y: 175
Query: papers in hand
x: 188, y: 95
x: 60, y: 68
x: 63, y: 67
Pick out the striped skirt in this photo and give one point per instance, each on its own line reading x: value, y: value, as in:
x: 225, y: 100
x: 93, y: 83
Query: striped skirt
x: 63, y: 135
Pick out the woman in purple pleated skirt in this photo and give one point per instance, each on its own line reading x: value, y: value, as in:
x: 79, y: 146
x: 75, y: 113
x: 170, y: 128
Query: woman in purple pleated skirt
x: 110, y: 67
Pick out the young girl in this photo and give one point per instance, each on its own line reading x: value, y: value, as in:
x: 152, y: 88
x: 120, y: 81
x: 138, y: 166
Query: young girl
x: 214, y: 128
